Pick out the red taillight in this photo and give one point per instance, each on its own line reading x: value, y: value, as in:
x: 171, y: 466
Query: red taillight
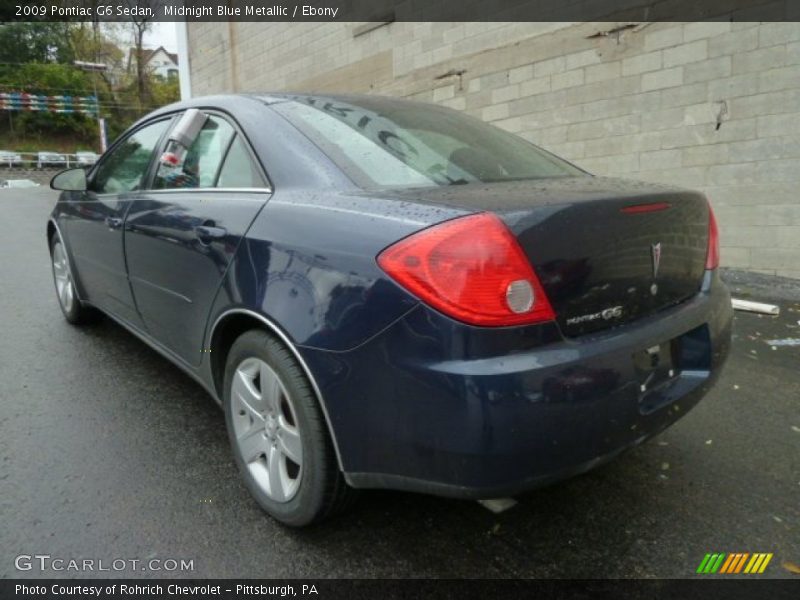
x: 712, y: 255
x: 472, y: 269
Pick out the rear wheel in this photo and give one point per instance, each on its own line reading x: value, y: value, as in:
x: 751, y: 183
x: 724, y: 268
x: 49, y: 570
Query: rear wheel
x: 278, y: 434
x: 75, y: 312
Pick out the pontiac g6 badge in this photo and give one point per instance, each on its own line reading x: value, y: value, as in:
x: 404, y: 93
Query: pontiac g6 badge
x: 613, y: 312
x: 655, y: 255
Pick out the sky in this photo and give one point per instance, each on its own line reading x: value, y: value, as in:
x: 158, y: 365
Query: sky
x: 163, y: 34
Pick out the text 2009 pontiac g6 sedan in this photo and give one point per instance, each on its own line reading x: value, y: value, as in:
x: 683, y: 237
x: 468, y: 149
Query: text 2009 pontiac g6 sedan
x: 385, y: 294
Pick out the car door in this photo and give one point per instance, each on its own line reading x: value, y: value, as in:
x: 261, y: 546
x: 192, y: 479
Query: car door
x: 181, y: 234
x: 95, y: 220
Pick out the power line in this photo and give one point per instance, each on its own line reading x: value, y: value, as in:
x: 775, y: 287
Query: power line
x: 28, y: 84
x: 53, y: 64
x: 121, y: 106
x: 20, y: 86
x: 145, y: 108
x: 4, y: 87
x: 47, y: 87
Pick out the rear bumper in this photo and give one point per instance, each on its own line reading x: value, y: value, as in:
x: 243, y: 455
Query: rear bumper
x: 436, y: 406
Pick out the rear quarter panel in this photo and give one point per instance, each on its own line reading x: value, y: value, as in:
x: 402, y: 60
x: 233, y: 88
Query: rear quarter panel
x: 308, y: 264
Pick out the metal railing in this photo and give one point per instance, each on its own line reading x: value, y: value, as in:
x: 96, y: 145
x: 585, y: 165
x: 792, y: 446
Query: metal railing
x: 42, y: 160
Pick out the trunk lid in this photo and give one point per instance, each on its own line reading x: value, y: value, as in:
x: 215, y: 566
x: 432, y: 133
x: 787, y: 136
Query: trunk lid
x: 600, y: 262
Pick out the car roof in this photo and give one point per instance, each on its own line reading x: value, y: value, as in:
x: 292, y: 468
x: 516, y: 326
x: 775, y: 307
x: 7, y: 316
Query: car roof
x: 268, y: 98
x: 272, y: 97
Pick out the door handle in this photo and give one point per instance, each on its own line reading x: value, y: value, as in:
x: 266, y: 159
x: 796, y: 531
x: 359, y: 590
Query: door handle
x: 114, y: 222
x: 208, y: 233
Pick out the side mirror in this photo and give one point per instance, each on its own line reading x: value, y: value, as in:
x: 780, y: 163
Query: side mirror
x: 71, y: 180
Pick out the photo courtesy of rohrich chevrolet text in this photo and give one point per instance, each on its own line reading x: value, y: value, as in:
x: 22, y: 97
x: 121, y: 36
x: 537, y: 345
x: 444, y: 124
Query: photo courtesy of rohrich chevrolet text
x: 399, y: 298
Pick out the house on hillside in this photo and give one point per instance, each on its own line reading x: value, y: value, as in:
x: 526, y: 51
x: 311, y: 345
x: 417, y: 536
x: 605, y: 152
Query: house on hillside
x: 159, y: 61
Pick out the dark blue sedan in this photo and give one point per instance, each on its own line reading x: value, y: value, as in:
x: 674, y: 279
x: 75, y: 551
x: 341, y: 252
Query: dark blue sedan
x: 386, y: 294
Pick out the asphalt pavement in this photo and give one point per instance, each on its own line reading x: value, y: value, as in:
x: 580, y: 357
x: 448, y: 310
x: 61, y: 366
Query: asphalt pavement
x: 107, y: 451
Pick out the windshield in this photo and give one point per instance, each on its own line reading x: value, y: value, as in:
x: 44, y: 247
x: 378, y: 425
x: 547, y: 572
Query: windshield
x: 388, y: 143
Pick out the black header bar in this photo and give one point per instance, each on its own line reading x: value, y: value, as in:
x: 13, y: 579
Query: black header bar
x: 399, y: 10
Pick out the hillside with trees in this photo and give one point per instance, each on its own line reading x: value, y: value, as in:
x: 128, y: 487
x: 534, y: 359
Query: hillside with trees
x: 50, y: 59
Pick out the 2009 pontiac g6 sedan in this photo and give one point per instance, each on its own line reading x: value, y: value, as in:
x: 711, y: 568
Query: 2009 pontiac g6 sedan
x: 386, y: 294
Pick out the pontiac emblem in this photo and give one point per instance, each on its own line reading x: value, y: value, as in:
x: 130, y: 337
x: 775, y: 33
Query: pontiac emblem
x: 655, y: 254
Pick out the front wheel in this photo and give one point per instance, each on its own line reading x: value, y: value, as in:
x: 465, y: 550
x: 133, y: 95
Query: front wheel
x: 278, y: 433
x: 75, y: 312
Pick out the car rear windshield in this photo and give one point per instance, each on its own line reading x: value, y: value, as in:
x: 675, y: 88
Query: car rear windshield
x: 389, y: 143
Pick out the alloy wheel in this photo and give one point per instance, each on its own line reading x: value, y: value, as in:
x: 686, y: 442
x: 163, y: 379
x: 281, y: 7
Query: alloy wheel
x: 64, y: 286
x: 266, y: 429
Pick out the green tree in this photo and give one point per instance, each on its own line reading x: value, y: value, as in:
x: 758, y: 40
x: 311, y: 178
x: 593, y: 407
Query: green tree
x: 34, y: 42
x: 48, y: 79
x: 38, y: 58
x: 165, y: 91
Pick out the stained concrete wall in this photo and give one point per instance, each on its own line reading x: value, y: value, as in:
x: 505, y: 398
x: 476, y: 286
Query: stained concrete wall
x: 710, y: 105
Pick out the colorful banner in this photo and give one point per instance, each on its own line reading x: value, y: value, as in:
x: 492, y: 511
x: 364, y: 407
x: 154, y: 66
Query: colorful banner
x: 21, y: 101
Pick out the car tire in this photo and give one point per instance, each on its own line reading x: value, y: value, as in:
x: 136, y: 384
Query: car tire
x: 74, y: 310
x: 279, y: 435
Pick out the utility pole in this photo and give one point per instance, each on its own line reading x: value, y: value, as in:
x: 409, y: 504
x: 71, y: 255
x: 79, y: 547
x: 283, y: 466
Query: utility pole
x: 96, y: 67
x: 101, y: 122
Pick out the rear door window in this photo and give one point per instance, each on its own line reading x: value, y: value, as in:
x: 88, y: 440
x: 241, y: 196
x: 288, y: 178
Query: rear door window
x: 239, y: 170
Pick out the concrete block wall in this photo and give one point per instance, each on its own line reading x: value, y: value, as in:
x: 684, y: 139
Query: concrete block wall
x: 708, y: 105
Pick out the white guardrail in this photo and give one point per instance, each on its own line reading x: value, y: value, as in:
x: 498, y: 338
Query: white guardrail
x: 45, y: 159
